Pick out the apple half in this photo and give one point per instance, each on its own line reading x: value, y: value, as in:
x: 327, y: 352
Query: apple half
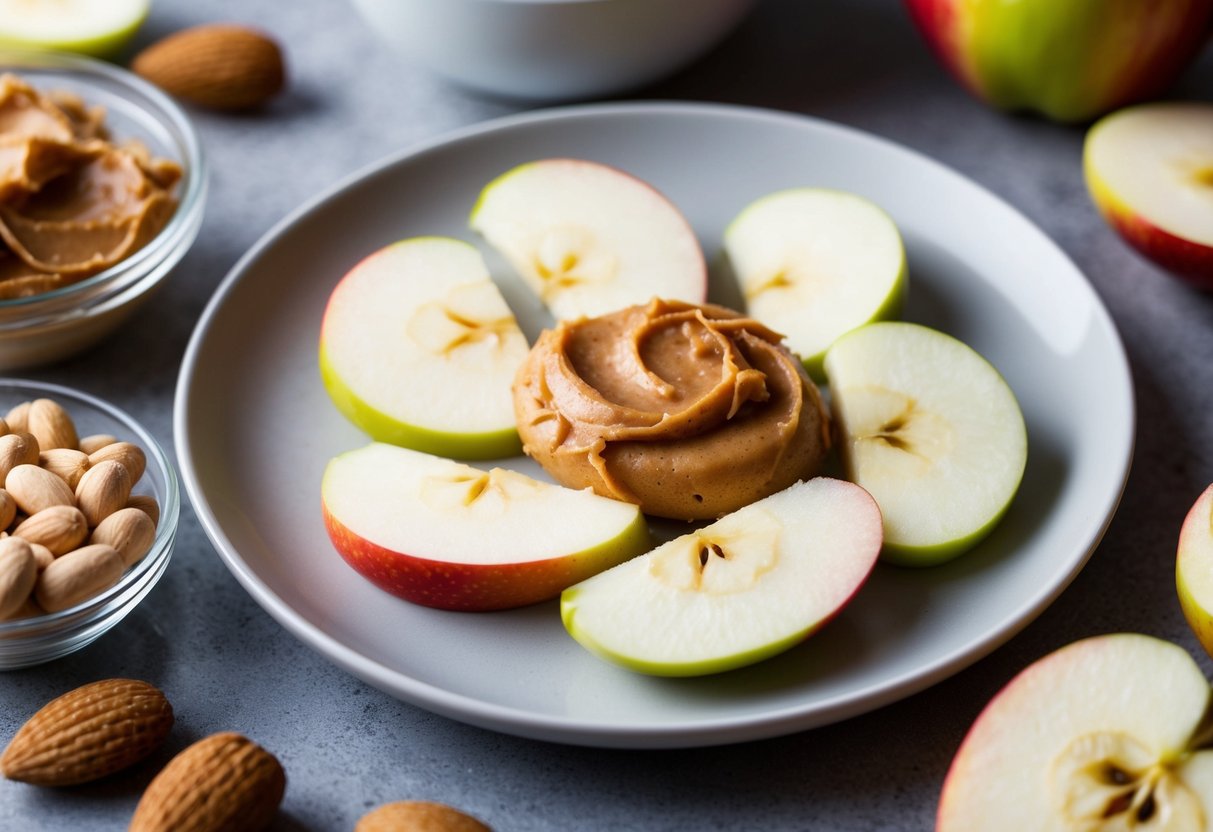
x: 1194, y: 568
x: 932, y: 430
x: 813, y: 263
x: 588, y: 238
x: 418, y: 348
x: 753, y: 584
x: 92, y: 27
x: 1106, y: 734
x: 443, y: 534
x: 1149, y: 170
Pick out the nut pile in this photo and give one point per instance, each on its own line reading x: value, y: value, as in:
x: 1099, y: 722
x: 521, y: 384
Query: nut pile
x: 70, y: 525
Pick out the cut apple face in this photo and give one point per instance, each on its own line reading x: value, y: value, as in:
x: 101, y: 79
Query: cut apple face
x: 1194, y: 569
x: 443, y: 534
x: 751, y: 585
x: 932, y: 430
x: 1150, y: 172
x: 1105, y: 735
x: 815, y: 263
x: 418, y: 348
x: 589, y: 239
x: 92, y: 27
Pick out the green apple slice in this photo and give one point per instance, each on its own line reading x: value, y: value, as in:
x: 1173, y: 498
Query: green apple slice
x: 443, y: 534
x: 1108, y: 734
x: 754, y: 583
x: 1194, y: 568
x: 91, y: 27
x: 815, y: 263
x: 418, y: 348
x: 932, y: 430
x: 588, y: 238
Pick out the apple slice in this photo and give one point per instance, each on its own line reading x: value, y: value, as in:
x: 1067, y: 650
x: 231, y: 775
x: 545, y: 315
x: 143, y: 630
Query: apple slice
x: 1149, y: 169
x: 418, y: 348
x: 752, y: 584
x: 815, y: 263
x: 1106, y: 734
x: 1194, y: 568
x: 92, y: 27
x: 930, y: 428
x: 443, y: 534
x: 589, y: 239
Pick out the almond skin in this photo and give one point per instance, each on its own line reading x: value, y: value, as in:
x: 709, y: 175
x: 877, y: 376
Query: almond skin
x: 51, y: 425
x: 80, y: 574
x: 36, y: 488
x: 223, y: 783
x: 8, y: 509
x: 96, y: 441
x: 58, y: 528
x: 16, y: 449
x: 104, y: 488
x: 17, y: 418
x: 418, y: 816
x: 67, y: 463
x: 18, y: 574
x: 221, y: 66
x: 128, y: 453
x: 89, y: 733
x: 147, y: 504
x: 128, y: 530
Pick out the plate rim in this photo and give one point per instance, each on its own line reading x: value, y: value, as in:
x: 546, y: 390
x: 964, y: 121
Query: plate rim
x: 573, y: 731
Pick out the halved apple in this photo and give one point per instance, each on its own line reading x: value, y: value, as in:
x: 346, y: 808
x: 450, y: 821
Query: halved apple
x: 932, y: 430
x: 1194, y: 568
x: 1106, y: 734
x: 754, y: 583
x: 418, y: 348
x: 588, y: 238
x: 443, y: 534
x: 1149, y: 169
x: 814, y: 263
x: 93, y: 27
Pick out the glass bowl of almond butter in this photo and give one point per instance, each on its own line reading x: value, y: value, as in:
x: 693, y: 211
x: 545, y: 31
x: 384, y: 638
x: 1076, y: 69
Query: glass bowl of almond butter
x: 89, y: 505
x: 102, y: 192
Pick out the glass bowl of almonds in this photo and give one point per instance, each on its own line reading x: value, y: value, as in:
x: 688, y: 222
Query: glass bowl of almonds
x: 102, y: 192
x: 88, y: 513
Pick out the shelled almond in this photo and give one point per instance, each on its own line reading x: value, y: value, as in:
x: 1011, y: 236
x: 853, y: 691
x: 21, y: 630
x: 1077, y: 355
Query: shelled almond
x: 68, y: 512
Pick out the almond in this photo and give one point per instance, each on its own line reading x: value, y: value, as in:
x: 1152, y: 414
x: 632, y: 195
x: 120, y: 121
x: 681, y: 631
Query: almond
x: 17, y: 418
x: 4, y: 428
x: 147, y: 504
x: 18, y: 573
x: 418, y: 816
x: 88, y: 733
x: 67, y: 463
x: 222, y: 66
x: 80, y: 574
x: 35, y: 488
x: 44, y: 556
x: 51, y: 425
x: 29, y: 609
x: 128, y: 530
x: 8, y: 509
x: 128, y: 453
x: 223, y: 782
x: 59, y: 528
x: 104, y: 488
x: 95, y: 442
x: 17, y: 449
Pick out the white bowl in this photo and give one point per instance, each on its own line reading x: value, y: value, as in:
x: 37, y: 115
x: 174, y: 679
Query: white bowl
x: 553, y: 49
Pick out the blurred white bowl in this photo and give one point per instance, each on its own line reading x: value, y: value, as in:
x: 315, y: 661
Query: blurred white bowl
x: 553, y: 49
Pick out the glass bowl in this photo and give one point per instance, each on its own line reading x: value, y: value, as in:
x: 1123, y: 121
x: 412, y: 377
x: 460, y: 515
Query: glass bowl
x: 56, y: 324
x: 30, y: 641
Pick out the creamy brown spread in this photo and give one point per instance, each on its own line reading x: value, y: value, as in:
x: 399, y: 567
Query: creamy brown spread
x: 688, y: 411
x: 72, y: 202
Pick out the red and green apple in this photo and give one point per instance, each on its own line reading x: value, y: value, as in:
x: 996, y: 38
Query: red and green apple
x: 1194, y: 568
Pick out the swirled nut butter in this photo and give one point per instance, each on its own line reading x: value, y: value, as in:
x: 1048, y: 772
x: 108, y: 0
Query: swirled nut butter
x: 72, y: 202
x: 688, y: 411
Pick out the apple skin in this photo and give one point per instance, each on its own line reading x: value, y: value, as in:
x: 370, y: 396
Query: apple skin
x: 105, y: 46
x: 479, y: 587
x: 1194, y: 560
x: 1069, y: 60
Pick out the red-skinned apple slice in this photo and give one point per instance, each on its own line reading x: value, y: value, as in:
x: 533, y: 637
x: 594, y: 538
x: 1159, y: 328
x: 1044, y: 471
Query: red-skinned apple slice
x: 753, y: 584
x: 588, y: 238
x: 1194, y: 568
x: 443, y: 534
x: 1149, y: 169
x: 1107, y: 734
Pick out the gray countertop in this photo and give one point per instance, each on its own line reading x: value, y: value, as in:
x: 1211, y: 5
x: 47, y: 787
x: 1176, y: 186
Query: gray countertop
x: 346, y: 746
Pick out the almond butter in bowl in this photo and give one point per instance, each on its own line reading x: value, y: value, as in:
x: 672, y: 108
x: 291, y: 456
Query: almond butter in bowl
x: 88, y: 509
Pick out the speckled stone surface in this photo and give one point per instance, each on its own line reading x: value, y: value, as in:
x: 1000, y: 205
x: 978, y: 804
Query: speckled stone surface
x: 347, y: 747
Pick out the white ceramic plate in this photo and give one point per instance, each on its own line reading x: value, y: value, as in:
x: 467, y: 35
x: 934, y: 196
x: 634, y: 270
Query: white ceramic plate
x: 255, y: 428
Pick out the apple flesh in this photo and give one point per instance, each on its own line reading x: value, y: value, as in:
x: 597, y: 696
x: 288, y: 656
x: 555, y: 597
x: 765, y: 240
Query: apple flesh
x: 1070, y: 60
x: 443, y: 534
x: 588, y: 238
x: 418, y: 348
x: 753, y: 584
x: 1108, y: 733
x: 932, y: 430
x: 814, y: 263
x: 92, y: 27
x: 1149, y: 170
x: 1194, y: 569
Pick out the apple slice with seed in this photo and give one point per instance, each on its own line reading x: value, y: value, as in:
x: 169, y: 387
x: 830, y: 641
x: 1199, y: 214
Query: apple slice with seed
x: 418, y: 348
x: 932, y: 430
